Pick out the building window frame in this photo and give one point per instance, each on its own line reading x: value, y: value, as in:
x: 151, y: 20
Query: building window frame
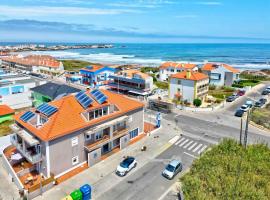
x: 74, y: 141
x: 75, y: 160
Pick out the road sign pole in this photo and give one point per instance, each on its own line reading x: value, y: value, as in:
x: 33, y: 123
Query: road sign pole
x: 241, y: 131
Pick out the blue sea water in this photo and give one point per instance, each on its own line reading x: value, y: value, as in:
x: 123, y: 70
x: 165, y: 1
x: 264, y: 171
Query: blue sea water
x: 245, y: 56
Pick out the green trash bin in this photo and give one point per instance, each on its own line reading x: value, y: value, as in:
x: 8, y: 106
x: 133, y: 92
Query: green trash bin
x: 76, y: 195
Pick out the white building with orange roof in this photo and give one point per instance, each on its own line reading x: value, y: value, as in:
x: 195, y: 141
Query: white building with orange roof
x: 169, y: 68
x: 221, y: 74
x: 43, y: 64
x: 76, y: 130
x: 132, y: 81
x: 188, y: 85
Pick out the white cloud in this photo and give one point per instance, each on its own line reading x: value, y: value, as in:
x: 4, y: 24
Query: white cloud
x: 142, y: 3
x: 28, y: 11
x: 209, y: 3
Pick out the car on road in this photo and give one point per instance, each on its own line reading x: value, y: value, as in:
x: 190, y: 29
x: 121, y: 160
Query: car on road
x: 239, y: 113
x: 126, y: 165
x: 266, y: 91
x: 263, y: 100
x: 245, y: 107
x: 258, y: 104
x: 172, y: 169
x: 241, y: 92
x: 249, y: 103
x: 230, y: 99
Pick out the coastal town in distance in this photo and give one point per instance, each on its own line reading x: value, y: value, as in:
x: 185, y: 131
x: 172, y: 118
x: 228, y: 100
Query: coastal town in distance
x: 94, y: 107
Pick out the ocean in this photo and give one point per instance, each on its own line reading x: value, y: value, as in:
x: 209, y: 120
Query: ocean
x: 242, y: 56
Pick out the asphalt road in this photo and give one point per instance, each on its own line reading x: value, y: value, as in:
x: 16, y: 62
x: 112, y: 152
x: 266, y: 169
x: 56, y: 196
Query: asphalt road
x: 148, y: 182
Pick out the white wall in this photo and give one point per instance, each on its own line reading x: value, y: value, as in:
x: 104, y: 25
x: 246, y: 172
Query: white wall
x: 186, y: 89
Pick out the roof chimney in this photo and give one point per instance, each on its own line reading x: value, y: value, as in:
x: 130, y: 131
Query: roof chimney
x: 188, y: 74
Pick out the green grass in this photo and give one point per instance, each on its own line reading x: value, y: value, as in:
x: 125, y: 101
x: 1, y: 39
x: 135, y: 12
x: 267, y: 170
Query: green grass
x: 4, y: 128
x: 229, y: 171
x: 149, y: 69
x: 162, y: 85
x: 76, y: 65
x: 261, y: 116
x: 244, y: 83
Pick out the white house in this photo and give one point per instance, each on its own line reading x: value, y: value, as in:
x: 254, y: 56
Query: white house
x: 221, y: 74
x: 169, y: 68
x: 188, y: 85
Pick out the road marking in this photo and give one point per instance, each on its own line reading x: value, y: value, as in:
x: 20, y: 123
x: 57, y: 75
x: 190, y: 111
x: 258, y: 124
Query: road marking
x: 191, y: 147
x: 194, y: 150
x: 179, y: 141
x: 202, y: 149
x: 188, y: 144
x: 190, y: 155
x: 183, y: 143
x: 174, y: 139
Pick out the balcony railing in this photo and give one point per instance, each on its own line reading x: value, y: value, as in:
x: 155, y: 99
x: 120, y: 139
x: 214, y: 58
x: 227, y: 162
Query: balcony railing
x: 120, y: 132
x: 33, y: 158
x: 98, y: 143
x: 15, y: 127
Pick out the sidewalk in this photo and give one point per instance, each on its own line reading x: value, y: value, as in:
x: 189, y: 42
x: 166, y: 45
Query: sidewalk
x: 102, y: 177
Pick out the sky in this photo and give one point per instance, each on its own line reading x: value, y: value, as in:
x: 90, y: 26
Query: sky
x: 140, y: 21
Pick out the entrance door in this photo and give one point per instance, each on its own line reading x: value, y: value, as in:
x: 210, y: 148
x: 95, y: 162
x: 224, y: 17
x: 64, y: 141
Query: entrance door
x: 105, y: 148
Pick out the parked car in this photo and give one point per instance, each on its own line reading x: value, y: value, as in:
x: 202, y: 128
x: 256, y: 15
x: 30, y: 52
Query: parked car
x: 173, y: 168
x: 239, y: 113
x: 249, y: 103
x: 241, y: 92
x: 263, y: 100
x: 230, y: 99
x: 245, y: 107
x: 258, y: 104
x: 265, y: 92
x: 126, y: 165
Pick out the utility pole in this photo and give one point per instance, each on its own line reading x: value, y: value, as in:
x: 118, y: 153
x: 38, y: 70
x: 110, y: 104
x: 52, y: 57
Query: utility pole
x: 241, y: 131
x: 246, y: 130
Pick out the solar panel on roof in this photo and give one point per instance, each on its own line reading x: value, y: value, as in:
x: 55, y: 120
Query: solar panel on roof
x: 27, y: 116
x: 46, y: 109
x: 99, y: 96
x: 84, y: 99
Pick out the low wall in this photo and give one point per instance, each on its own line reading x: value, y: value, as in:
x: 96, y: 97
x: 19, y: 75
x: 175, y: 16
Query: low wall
x: 200, y: 109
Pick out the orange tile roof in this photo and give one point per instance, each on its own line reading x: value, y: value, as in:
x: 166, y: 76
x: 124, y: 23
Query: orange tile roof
x: 195, y: 76
x: 68, y: 117
x: 5, y: 110
x: 32, y: 60
x: 212, y: 66
x: 131, y: 72
x: 177, y: 65
x: 94, y: 68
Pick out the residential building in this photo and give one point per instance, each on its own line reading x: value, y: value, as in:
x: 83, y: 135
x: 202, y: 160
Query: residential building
x: 6, y: 113
x: 169, y: 68
x: 15, y: 90
x: 133, y: 82
x: 221, y: 74
x: 96, y: 75
x: 50, y: 91
x: 188, y: 85
x: 34, y: 63
x: 75, y: 130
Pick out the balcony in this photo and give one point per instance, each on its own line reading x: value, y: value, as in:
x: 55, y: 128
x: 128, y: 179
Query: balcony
x: 120, y: 133
x: 30, y: 155
x: 15, y: 128
x: 98, y: 143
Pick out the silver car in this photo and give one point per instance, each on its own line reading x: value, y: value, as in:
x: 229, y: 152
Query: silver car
x: 172, y: 169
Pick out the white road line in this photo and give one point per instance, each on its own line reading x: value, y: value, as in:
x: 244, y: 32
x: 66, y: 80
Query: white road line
x: 188, y: 144
x: 190, y: 155
x: 202, y: 149
x: 183, y: 143
x: 179, y: 141
x: 174, y: 139
x: 191, y: 147
x: 197, y: 147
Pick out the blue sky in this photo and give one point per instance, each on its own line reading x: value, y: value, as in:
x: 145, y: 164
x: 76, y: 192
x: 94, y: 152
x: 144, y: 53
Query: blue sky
x: 135, y: 20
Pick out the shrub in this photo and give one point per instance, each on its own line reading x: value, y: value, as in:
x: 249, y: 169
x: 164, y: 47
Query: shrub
x: 197, y: 102
x: 212, y: 87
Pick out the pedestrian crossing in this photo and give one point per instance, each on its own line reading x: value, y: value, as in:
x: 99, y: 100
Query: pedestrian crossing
x: 191, y: 145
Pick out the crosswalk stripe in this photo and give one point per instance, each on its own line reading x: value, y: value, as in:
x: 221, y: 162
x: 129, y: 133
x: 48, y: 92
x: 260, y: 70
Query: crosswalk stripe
x: 179, y: 141
x: 194, y: 150
x: 191, y: 147
x: 183, y: 143
x: 188, y: 144
x: 202, y: 149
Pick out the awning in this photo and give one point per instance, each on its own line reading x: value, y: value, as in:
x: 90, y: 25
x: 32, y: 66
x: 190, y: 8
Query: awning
x: 105, y: 125
x: 28, y: 138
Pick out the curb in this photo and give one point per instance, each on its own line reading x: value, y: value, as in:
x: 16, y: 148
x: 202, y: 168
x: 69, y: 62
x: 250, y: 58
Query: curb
x: 259, y: 126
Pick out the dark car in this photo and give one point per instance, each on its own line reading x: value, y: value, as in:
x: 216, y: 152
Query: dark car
x: 239, y: 113
x: 258, y: 104
x: 265, y: 92
x: 230, y: 98
x: 263, y: 100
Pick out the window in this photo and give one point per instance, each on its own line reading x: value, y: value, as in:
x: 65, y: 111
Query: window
x: 74, y: 141
x: 91, y: 115
x: 105, y: 111
x: 178, y: 90
x: 75, y: 160
x: 179, y: 82
x: 172, y: 70
x: 98, y: 135
x: 134, y: 133
x: 87, y: 137
x: 178, y: 70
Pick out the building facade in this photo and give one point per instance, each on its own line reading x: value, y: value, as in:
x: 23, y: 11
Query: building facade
x: 187, y: 86
x: 86, y: 126
x: 133, y: 82
x: 96, y: 75
x: 221, y: 74
x: 169, y: 68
